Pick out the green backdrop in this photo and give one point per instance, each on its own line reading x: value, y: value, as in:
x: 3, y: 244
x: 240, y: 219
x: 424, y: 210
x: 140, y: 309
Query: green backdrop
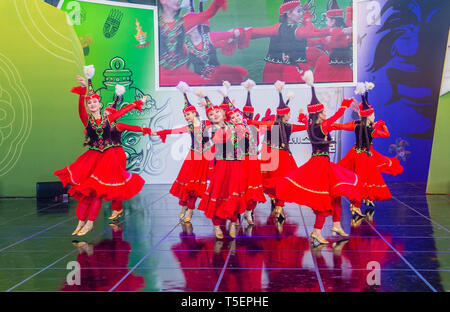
x: 39, y: 125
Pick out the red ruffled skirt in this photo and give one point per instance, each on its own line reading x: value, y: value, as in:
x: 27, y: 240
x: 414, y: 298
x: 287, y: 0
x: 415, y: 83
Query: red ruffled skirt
x: 370, y: 181
x: 192, y: 178
x: 275, y: 164
x: 225, y: 196
x: 252, y: 180
x: 315, y: 184
x: 102, y: 175
x: 389, y: 165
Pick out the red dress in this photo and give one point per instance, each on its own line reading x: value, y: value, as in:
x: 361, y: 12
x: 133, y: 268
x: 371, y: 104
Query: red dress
x: 100, y: 171
x: 276, y: 158
x: 225, y: 196
x: 192, y: 178
x: 252, y: 180
x: 361, y: 161
x: 319, y: 181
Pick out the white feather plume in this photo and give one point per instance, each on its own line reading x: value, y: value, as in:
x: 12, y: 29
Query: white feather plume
x: 360, y: 88
x: 223, y: 90
x: 290, y: 95
x: 89, y: 71
x: 248, y: 84
x: 279, y: 85
x: 120, y: 90
x: 308, y: 77
x: 200, y: 93
x: 183, y: 87
x: 369, y: 85
x: 226, y: 84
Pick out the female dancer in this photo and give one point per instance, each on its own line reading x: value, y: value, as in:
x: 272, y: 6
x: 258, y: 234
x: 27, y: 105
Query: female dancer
x: 224, y: 198
x: 276, y: 157
x: 360, y: 159
x: 172, y: 30
x: 319, y: 183
x: 251, y: 167
x: 116, y: 128
x: 201, y: 47
x: 190, y: 183
x: 287, y: 57
x: 98, y: 173
x: 335, y: 65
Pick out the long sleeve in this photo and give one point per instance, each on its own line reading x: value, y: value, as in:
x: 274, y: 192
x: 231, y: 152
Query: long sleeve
x: 309, y: 32
x: 192, y: 20
x: 263, y: 32
x: 81, y: 91
x: 220, y: 39
x: 297, y: 128
x: 121, y: 112
x: 126, y: 127
x: 326, y: 125
x: 258, y: 124
x: 349, y: 126
x: 381, y: 131
x: 163, y: 133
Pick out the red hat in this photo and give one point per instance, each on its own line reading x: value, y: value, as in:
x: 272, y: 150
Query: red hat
x: 333, y: 9
x: 248, y: 84
x: 289, y: 5
x: 365, y: 109
x: 184, y: 88
x: 283, y: 107
x: 233, y: 109
x: 314, y: 106
x: 208, y: 105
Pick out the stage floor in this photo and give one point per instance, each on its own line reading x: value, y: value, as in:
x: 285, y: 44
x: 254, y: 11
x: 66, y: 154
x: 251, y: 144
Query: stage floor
x: 406, y: 247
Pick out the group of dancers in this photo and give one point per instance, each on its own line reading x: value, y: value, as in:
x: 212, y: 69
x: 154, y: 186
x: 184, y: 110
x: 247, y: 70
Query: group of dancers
x: 226, y: 169
x: 188, y: 49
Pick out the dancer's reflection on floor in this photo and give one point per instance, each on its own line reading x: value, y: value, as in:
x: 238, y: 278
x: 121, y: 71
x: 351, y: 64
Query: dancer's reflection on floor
x: 201, y: 260
x: 103, y: 265
x: 275, y: 258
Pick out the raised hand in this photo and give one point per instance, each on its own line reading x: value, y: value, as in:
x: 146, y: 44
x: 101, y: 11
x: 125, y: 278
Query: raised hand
x: 81, y: 80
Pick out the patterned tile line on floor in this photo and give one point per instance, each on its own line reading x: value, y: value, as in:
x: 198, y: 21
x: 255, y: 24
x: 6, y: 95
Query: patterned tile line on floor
x: 316, y: 266
x: 408, y: 206
x: 36, y: 234
x: 20, y: 217
x: 222, y: 272
x: 403, y: 258
x: 40, y: 271
x: 50, y: 265
x: 143, y: 258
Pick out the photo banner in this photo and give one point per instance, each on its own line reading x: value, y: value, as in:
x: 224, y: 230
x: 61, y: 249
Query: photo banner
x: 207, y: 42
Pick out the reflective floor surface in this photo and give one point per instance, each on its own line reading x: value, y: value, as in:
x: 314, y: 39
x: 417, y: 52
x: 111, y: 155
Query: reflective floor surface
x: 404, y: 247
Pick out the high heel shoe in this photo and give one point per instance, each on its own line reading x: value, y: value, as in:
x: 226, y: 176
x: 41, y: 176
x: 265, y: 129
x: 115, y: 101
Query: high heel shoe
x: 316, y: 240
x: 218, y: 232
x: 116, y: 215
x: 356, y: 220
x: 248, y: 217
x: 189, y: 214
x: 337, y: 231
x: 79, y: 227
x: 279, y: 213
x: 85, y: 229
x: 369, y: 203
x: 183, y: 212
x: 356, y: 210
x: 232, y: 230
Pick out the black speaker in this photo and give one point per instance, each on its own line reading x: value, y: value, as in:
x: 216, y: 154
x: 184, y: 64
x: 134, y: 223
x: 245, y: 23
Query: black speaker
x: 47, y: 190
